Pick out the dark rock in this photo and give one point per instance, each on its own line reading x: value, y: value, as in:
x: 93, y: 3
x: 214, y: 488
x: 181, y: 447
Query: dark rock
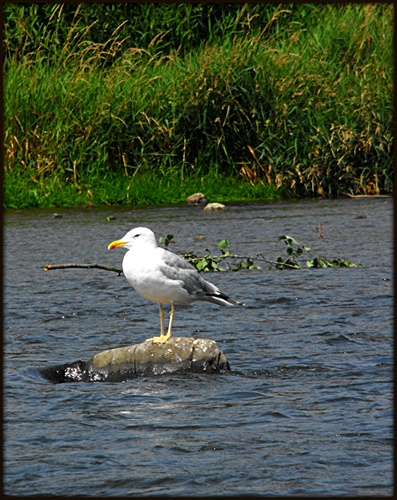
x: 68, y: 372
x: 178, y: 354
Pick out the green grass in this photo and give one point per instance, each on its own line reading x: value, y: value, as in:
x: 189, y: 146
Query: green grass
x: 143, y: 189
x: 257, y: 99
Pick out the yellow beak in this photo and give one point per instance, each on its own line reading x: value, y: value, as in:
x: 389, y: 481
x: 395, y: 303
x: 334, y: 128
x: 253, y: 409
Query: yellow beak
x: 116, y: 244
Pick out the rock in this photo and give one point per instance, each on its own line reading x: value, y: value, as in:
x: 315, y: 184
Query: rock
x: 178, y: 354
x: 68, y: 372
x: 214, y: 206
x: 196, y: 199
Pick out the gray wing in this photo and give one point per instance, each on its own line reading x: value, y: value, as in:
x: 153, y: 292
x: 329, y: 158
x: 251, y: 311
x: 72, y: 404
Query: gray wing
x: 177, y: 268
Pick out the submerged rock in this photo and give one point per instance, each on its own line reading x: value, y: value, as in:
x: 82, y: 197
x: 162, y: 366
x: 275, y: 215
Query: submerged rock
x: 178, y: 354
x: 196, y: 199
x: 214, y: 206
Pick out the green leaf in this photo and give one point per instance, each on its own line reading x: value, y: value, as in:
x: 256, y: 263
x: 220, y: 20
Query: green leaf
x: 201, y: 264
x: 291, y: 240
x: 168, y: 239
x: 223, y: 244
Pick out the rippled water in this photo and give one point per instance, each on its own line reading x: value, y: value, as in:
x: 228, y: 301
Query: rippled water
x: 306, y: 410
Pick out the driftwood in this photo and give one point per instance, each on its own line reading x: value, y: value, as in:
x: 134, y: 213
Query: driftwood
x: 217, y: 258
x: 93, y: 265
x: 368, y: 195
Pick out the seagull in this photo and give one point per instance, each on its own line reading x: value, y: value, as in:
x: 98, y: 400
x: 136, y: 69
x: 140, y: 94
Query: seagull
x: 164, y: 277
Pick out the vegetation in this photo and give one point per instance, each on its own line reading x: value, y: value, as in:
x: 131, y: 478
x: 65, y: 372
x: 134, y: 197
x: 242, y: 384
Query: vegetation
x: 210, y: 262
x: 147, y: 103
x: 295, y: 250
x: 233, y: 262
x: 112, y: 188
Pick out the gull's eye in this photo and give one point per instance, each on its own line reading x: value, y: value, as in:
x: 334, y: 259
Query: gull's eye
x: 136, y: 235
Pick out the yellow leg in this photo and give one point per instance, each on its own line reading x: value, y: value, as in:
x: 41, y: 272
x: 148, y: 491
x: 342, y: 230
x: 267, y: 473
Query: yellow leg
x: 163, y: 337
x: 161, y: 320
x: 171, y: 320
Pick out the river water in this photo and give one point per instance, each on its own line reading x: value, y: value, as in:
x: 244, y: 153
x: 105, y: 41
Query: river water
x: 306, y: 409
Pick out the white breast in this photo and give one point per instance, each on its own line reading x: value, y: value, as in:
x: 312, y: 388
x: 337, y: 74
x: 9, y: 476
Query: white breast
x: 143, y: 270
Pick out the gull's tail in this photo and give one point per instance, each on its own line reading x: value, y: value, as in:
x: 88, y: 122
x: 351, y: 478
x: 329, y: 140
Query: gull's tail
x: 221, y: 299
x: 210, y: 293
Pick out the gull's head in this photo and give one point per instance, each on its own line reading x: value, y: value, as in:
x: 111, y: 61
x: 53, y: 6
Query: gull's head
x: 134, y: 238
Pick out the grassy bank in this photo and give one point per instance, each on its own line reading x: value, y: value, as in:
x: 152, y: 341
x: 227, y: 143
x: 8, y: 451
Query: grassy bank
x: 138, y: 103
x: 144, y: 189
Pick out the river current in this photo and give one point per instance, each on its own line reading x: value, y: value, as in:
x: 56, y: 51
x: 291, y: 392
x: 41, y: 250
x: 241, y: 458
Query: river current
x: 307, y: 408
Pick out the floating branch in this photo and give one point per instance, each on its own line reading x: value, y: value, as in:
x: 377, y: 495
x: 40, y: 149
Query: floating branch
x: 211, y: 262
x: 49, y: 267
x: 203, y: 264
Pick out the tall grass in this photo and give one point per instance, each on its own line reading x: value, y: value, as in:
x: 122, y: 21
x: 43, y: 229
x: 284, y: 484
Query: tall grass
x: 297, y: 97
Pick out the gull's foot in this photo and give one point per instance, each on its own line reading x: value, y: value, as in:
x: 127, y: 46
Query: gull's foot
x: 159, y: 340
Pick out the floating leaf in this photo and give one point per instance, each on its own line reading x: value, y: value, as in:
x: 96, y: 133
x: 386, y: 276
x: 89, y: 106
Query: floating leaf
x: 318, y: 262
x: 201, y: 264
x: 223, y: 244
x: 168, y: 239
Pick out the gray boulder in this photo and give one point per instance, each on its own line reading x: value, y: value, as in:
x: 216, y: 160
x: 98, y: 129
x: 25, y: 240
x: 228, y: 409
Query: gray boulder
x: 178, y: 354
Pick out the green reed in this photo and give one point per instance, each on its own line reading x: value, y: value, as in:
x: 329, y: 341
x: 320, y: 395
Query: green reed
x: 290, y: 97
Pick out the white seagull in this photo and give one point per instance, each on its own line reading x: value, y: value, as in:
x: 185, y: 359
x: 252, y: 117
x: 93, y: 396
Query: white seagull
x: 164, y: 277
